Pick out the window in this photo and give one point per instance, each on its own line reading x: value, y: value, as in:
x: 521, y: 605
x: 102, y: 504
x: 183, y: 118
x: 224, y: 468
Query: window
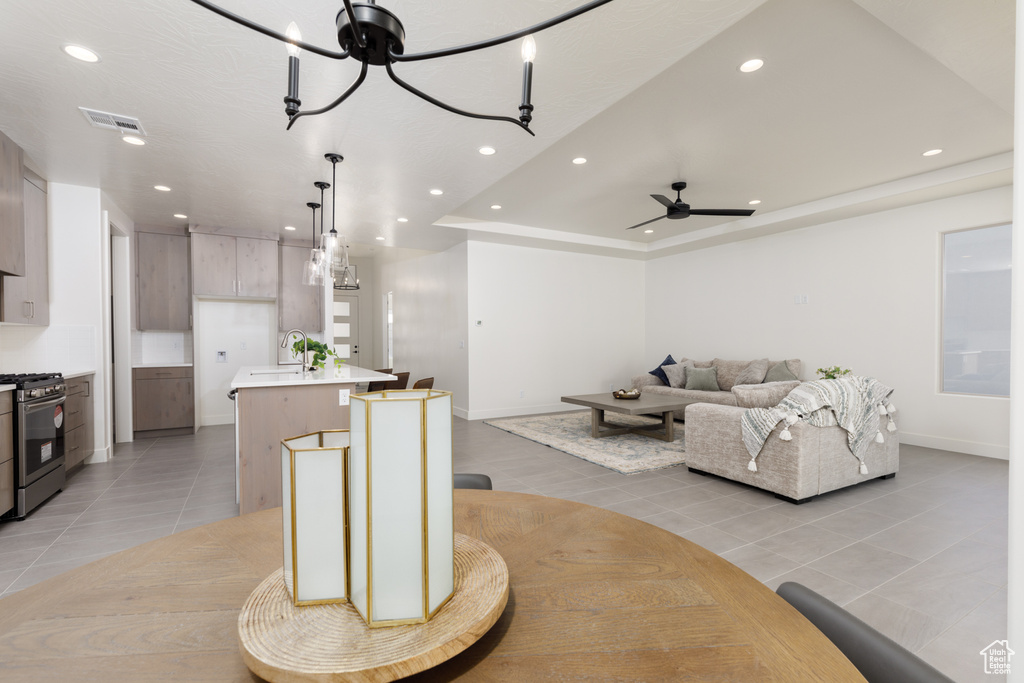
x: 976, y: 311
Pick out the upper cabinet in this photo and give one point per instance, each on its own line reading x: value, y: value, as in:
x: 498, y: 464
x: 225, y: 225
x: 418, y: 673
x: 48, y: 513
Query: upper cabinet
x: 225, y: 266
x: 12, y: 221
x: 300, y: 306
x: 163, y: 284
x: 27, y: 299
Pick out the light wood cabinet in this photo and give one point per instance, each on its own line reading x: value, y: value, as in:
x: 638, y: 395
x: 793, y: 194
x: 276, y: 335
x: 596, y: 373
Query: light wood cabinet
x: 226, y: 266
x: 300, y: 306
x: 164, y: 297
x: 26, y: 299
x: 6, y: 451
x: 164, y: 403
x: 79, y: 429
x: 12, y: 222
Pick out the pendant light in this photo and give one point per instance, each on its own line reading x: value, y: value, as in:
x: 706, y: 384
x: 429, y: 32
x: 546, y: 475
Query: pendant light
x: 325, y: 256
x: 312, y: 272
x: 329, y: 243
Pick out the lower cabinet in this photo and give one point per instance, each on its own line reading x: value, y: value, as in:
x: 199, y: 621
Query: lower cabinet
x: 79, y: 429
x: 164, y: 403
x: 6, y: 451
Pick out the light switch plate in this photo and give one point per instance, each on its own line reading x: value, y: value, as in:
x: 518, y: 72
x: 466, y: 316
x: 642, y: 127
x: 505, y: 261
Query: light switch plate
x: 222, y: 356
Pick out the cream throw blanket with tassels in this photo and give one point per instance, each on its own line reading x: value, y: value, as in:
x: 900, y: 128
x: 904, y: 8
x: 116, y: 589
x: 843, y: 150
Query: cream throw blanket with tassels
x: 854, y: 403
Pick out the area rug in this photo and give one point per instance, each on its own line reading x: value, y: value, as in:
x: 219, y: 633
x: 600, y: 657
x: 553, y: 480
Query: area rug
x: 570, y: 433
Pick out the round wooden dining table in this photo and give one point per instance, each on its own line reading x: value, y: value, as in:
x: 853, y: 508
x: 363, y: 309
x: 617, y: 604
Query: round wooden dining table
x: 593, y: 596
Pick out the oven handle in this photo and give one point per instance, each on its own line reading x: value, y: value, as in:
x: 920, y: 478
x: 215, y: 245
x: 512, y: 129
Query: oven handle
x: 31, y: 407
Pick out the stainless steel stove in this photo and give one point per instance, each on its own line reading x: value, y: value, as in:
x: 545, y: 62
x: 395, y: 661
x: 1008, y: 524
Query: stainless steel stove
x: 38, y: 439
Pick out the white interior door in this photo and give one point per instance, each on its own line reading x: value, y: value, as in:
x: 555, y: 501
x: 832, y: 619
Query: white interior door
x: 346, y: 328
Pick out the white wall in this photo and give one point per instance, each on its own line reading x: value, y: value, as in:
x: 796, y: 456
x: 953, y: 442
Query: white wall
x: 874, y: 294
x: 227, y: 326
x: 551, y: 324
x: 430, y: 317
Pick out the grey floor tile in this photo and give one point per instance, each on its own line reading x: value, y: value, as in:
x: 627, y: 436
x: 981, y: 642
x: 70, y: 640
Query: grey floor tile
x: 979, y: 560
x: 805, y: 543
x: 62, y: 550
x: 40, y: 540
x: 856, y: 523
x: 601, y: 497
x: 931, y: 590
x: 673, y: 521
x: 760, y: 563
x: 863, y: 565
x: 683, y: 497
x: 839, y: 592
x: 637, y: 507
x: 757, y: 525
x: 906, y: 626
x: 915, y: 539
x: 717, y: 510
x: 715, y: 540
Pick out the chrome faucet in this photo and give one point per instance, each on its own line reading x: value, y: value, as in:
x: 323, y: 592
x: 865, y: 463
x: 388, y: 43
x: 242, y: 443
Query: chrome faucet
x: 305, y: 347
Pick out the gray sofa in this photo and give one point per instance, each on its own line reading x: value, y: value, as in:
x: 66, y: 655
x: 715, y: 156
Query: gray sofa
x: 728, y: 372
x: 815, y: 461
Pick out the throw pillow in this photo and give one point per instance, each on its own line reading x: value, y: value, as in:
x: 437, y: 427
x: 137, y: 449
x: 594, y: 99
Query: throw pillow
x: 659, y: 372
x: 677, y: 373
x: 767, y: 395
x: 779, y: 372
x: 702, y: 379
x: 754, y: 372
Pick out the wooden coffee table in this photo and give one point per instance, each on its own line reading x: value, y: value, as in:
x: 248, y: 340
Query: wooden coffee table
x: 647, y: 403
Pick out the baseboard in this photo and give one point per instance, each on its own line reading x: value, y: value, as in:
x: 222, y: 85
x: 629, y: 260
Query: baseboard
x: 460, y: 412
x: 98, y: 455
x: 528, y: 410
x: 214, y: 420
x: 988, y: 450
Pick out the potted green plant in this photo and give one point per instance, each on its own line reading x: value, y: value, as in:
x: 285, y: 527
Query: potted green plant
x: 318, y: 350
x: 833, y: 372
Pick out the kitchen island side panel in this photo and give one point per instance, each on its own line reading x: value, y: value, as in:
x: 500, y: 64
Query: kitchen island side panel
x: 266, y: 415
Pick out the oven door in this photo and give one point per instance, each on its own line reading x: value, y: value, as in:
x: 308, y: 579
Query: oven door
x: 40, y: 439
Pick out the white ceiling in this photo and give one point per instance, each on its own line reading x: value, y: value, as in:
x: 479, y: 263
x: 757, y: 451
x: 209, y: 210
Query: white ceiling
x: 647, y: 90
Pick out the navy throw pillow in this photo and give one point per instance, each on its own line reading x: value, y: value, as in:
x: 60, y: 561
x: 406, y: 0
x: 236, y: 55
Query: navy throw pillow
x: 659, y: 373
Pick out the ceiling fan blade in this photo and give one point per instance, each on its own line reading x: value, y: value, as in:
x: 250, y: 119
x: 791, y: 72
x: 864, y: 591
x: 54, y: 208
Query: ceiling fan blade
x: 645, y: 222
x: 662, y: 199
x: 721, y: 212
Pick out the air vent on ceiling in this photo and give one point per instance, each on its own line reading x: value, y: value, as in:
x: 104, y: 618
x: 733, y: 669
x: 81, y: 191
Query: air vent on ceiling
x: 102, y: 119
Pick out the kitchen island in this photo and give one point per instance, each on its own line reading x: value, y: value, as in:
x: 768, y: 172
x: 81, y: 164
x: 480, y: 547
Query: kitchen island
x: 277, y: 402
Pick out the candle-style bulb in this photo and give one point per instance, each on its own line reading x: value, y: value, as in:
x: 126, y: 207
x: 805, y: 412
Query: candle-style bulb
x: 293, y: 33
x: 529, y: 49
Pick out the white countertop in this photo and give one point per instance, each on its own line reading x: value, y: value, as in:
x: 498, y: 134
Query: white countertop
x: 161, y: 365
x: 80, y: 373
x: 7, y: 387
x: 291, y: 375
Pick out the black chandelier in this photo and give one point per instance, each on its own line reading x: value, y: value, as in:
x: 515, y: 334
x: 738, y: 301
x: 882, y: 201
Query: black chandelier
x: 373, y: 35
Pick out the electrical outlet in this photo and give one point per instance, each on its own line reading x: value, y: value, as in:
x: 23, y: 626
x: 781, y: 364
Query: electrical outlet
x: 241, y: 346
x: 176, y: 345
x: 611, y: 387
x: 222, y: 356
x: 522, y: 394
x: 462, y: 344
x: 343, y: 397
x: 803, y: 298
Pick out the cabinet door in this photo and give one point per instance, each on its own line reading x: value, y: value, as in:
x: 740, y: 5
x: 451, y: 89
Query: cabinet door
x: 12, y: 221
x: 257, y: 267
x: 213, y: 265
x: 163, y: 404
x: 27, y: 299
x: 162, y: 273
x: 300, y: 305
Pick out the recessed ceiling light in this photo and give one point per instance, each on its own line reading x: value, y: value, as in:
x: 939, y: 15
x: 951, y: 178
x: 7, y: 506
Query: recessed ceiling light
x: 80, y: 53
x: 751, y: 65
x: 754, y: 202
x: 380, y: 238
x: 289, y: 227
x: 181, y: 215
x: 403, y: 220
x: 648, y: 231
x: 162, y: 188
x: 579, y: 160
x: 437, y: 193
x: 495, y: 206
x: 133, y: 140
x: 487, y: 151
x: 932, y: 152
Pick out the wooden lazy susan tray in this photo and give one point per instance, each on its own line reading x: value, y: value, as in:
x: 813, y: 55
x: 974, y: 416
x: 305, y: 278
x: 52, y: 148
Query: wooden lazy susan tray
x: 283, y: 643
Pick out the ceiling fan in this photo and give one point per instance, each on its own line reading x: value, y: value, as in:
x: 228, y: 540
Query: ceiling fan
x: 679, y: 209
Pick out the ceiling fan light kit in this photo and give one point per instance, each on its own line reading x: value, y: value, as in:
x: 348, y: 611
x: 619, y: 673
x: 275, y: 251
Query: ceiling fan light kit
x: 373, y: 35
x: 679, y: 209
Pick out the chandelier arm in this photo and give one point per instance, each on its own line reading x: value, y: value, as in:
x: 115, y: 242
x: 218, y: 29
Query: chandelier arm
x: 536, y: 28
x: 357, y: 33
x: 442, y: 105
x: 269, y: 32
x: 351, y: 89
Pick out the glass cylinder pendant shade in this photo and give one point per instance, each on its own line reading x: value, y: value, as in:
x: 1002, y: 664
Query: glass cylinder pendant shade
x: 312, y: 271
x: 315, y: 517
x: 401, y: 525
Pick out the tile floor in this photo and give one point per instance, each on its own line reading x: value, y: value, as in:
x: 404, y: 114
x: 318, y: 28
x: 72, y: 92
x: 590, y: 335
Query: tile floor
x: 921, y: 557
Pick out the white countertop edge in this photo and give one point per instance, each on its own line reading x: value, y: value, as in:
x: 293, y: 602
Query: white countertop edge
x: 161, y: 365
x: 79, y: 373
x: 7, y: 387
x: 249, y: 377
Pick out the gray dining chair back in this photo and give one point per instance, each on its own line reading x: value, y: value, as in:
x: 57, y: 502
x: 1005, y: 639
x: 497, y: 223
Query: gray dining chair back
x: 878, y: 658
x: 473, y: 481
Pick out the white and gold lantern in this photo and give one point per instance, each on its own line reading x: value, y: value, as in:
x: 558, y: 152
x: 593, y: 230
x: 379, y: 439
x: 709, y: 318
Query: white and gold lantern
x: 315, y: 517
x: 401, y: 515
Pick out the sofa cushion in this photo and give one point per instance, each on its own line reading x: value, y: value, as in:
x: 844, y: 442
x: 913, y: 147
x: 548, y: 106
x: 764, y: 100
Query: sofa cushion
x: 767, y: 395
x: 702, y: 379
x: 728, y: 371
x: 659, y: 373
x: 752, y: 374
x: 780, y: 372
x: 724, y: 398
x: 677, y: 373
x: 702, y: 363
